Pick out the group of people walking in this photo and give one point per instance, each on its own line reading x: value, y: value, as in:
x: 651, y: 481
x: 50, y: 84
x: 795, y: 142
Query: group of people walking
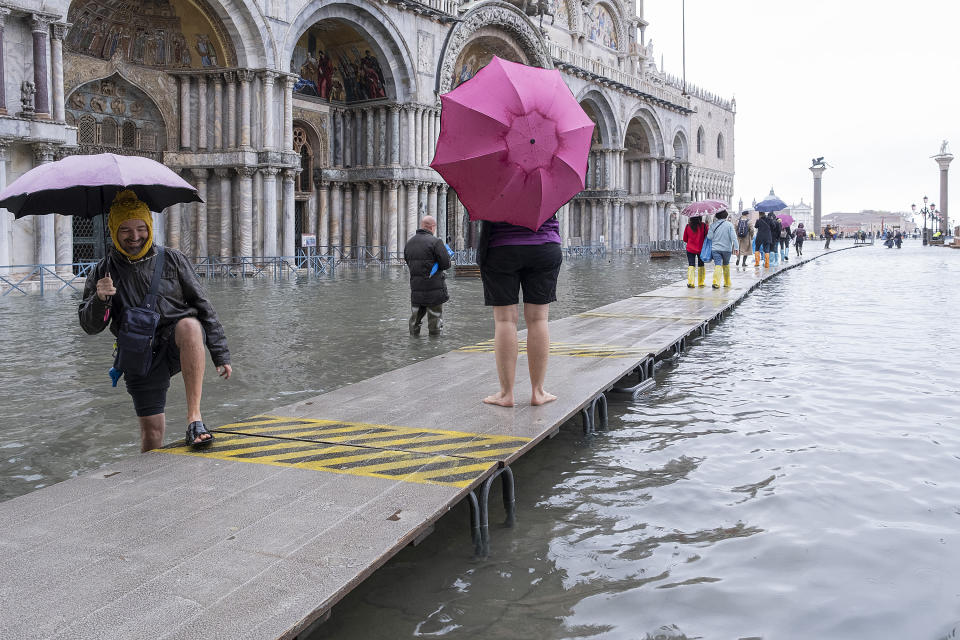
x: 768, y: 236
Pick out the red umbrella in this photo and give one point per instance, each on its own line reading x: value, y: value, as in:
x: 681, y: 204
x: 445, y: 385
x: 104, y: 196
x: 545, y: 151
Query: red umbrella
x: 513, y: 143
x: 704, y: 208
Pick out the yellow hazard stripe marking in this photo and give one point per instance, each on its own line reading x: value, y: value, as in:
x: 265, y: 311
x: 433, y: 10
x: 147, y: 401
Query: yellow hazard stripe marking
x: 633, y: 316
x: 572, y: 349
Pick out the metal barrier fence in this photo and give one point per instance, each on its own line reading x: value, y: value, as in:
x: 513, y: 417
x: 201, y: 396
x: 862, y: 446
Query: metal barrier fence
x: 24, y: 278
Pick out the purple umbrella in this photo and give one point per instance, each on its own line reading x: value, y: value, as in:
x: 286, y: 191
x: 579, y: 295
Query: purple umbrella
x: 785, y: 219
x: 704, y: 208
x: 86, y: 185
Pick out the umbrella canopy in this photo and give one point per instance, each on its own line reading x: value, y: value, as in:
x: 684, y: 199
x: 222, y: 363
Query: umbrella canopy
x: 703, y: 208
x: 771, y: 203
x: 513, y: 143
x: 86, y: 185
x: 785, y: 219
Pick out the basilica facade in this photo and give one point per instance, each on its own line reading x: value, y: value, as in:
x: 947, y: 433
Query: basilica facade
x: 314, y: 121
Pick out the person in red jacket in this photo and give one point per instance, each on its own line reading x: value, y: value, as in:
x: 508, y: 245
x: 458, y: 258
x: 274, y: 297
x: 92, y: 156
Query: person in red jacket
x: 694, y: 234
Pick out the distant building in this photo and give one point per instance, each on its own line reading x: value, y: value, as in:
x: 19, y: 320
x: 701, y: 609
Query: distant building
x: 801, y: 213
x: 870, y: 221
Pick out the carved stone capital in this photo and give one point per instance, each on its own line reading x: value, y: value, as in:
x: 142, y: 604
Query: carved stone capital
x: 222, y: 172
x: 289, y: 174
x: 395, y: 108
x: 4, y: 12
x: 269, y: 77
x: 376, y: 185
x: 200, y: 174
x: 393, y: 185
x: 270, y: 171
x: 43, y: 152
x: 40, y: 23
x: 229, y: 76
x: 245, y: 75
x: 245, y: 172
x: 318, y: 179
x: 60, y: 30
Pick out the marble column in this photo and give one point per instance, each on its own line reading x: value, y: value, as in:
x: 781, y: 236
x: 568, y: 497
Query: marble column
x: 56, y: 59
x: 40, y: 26
x: 413, y: 188
x: 348, y: 138
x: 4, y: 12
x: 817, y: 172
x: 376, y: 220
x: 44, y: 226
x: 383, y: 152
x: 336, y: 215
x: 347, y: 224
x: 258, y: 214
x: 943, y: 160
x: 269, y: 138
x: 200, y: 213
x: 422, y: 204
x: 202, y: 114
x: 6, y: 218
x: 172, y: 226
x: 269, y: 211
x: 411, y: 135
x: 431, y: 208
x: 230, y: 136
x: 218, y: 111
x: 442, y: 210
x: 394, y: 129
x: 226, y: 212
x: 361, y: 215
x: 392, y: 220
x: 323, y: 215
x: 289, y: 207
x: 245, y: 232
x: 288, y: 113
x: 418, y: 136
x: 184, y: 111
x: 431, y: 132
x: 371, y: 137
x: 336, y: 142
x: 245, y: 76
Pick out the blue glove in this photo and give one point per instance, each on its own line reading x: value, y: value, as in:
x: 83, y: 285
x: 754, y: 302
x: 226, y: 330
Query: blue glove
x: 436, y: 265
x: 115, y: 375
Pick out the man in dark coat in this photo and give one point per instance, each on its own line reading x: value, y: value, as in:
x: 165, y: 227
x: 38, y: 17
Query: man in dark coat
x: 764, y: 240
x: 428, y: 287
x: 188, y: 321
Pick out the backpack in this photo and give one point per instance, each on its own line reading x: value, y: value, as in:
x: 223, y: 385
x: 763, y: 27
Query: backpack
x: 784, y: 234
x: 743, y: 228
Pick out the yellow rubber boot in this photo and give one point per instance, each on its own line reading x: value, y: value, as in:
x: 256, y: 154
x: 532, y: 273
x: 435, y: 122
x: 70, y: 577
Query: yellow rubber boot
x: 717, y: 276
x: 756, y: 258
x: 766, y: 261
x: 690, y: 275
x: 726, y: 275
x: 701, y: 276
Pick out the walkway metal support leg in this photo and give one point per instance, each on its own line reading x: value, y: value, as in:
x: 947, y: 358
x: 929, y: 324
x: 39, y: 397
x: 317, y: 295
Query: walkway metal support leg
x: 475, y: 523
x: 588, y: 413
x: 509, y: 505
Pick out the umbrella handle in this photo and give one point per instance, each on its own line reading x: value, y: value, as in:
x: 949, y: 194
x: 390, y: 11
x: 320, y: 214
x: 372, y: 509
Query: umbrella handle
x: 106, y: 314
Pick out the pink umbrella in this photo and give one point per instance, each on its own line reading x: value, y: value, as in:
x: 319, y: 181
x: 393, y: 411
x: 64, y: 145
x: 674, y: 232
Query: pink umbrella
x: 785, y: 219
x: 703, y: 208
x: 513, y: 143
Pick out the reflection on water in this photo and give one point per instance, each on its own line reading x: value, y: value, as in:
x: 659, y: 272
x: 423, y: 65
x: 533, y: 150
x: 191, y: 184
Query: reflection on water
x: 794, y: 475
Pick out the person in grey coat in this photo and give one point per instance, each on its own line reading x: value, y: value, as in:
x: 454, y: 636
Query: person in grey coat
x: 724, y: 238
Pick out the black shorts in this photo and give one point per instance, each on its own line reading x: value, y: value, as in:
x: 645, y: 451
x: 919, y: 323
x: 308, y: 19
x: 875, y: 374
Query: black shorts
x: 149, y: 392
x: 532, y: 267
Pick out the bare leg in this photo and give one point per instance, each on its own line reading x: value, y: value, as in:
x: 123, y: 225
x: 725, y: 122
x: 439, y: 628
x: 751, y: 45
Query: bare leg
x: 151, y: 431
x: 538, y: 350
x: 189, y: 337
x: 505, y: 320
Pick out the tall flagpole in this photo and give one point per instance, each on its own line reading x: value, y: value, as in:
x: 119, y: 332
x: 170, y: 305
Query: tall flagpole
x: 683, y: 22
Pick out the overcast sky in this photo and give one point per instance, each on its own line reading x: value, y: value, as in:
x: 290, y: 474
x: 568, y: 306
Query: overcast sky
x: 870, y: 85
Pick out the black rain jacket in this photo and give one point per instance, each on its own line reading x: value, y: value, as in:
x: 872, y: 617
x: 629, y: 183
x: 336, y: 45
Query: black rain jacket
x: 764, y: 235
x: 422, y: 251
x: 179, y: 294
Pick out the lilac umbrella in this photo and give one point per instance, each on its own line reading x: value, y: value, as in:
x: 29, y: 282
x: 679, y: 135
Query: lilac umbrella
x: 785, y: 219
x: 704, y: 208
x: 86, y: 185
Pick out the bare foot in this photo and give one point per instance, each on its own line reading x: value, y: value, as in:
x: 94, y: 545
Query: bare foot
x: 541, y: 397
x: 500, y: 399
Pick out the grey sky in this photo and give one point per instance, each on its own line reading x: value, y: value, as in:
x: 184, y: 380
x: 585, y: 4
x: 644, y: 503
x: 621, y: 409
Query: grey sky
x: 870, y: 85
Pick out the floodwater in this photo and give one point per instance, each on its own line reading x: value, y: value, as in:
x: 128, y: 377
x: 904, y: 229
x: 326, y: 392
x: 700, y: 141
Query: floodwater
x: 794, y: 475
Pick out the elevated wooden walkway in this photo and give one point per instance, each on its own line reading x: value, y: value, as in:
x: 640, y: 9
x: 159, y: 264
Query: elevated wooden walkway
x: 261, y: 534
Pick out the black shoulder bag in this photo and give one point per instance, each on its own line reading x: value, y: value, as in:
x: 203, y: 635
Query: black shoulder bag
x: 138, y: 329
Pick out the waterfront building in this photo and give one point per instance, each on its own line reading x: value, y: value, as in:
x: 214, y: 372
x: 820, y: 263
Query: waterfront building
x: 871, y: 221
x: 320, y: 117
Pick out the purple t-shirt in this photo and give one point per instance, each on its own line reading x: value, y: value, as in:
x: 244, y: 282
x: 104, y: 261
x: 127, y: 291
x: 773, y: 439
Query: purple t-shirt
x: 505, y: 234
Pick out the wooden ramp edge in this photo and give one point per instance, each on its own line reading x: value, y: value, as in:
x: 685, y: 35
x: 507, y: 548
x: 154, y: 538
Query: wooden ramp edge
x: 259, y: 535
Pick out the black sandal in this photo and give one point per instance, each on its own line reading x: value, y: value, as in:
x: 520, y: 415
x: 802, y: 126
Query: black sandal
x: 194, y: 431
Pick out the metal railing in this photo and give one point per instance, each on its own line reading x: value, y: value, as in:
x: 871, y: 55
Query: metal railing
x: 24, y: 278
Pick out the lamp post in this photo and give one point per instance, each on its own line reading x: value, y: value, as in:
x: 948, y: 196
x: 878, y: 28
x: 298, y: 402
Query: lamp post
x: 926, y: 211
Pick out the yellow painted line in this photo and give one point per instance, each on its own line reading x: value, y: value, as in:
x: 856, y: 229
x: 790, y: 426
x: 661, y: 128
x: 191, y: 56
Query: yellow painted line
x: 572, y: 349
x: 424, y: 476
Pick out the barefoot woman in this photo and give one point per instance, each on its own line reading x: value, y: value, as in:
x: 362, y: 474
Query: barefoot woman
x: 513, y: 258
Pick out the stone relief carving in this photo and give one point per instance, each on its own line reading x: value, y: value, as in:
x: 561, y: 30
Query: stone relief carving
x: 27, y: 91
x: 495, y: 14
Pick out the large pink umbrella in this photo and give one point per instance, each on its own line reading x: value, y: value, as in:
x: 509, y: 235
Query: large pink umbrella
x: 785, y: 219
x: 704, y: 208
x: 513, y: 143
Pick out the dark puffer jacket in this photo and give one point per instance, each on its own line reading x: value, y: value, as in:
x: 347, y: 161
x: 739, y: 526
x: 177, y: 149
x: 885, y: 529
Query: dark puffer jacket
x: 179, y: 294
x: 422, y: 251
x: 764, y: 235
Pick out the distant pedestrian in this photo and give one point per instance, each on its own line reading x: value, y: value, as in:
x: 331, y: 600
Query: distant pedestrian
x: 799, y: 236
x: 427, y: 292
x: 745, y: 238
x: 724, y: 239
x: 764, y: 240
x: 775, y: 228
x: 898, y: 239
x: 694, y: 234
x: 828, y: 234
x: 514, y: 258
x: 785, y: 235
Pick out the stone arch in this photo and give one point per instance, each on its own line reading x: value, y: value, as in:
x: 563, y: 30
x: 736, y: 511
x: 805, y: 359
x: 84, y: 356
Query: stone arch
x: 251, y: 38
x: 701, y: 140
x: 606, y: 121
x: 486, y: 21
x: 721, y: 149
x: 590, y: 28
x: 680, y: 149
x: 307, y: 138
x: 377, y: 30
x: 650, y: 123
